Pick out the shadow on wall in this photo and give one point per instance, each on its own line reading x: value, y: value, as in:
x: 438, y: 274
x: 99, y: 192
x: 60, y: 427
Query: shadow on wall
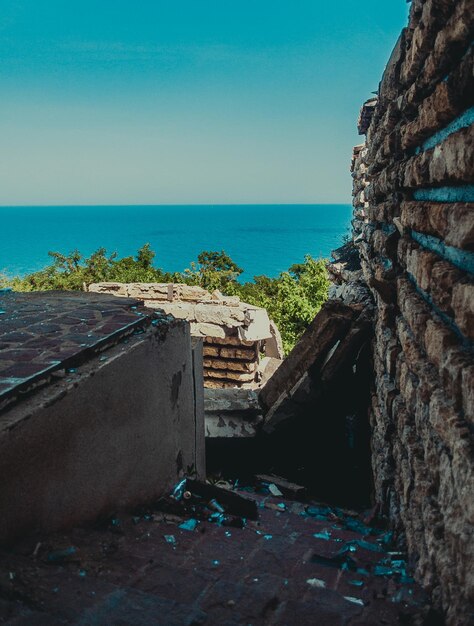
x: 326, y: 447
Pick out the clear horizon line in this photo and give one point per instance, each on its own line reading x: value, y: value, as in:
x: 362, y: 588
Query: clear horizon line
x: 178, y: 204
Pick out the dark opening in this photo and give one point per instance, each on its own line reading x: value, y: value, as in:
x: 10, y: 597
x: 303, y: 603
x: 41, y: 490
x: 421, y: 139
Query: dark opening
x: 326, y: 447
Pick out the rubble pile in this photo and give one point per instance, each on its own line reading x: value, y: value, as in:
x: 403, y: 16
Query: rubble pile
x: 235, y: 334
x: 414, y: 229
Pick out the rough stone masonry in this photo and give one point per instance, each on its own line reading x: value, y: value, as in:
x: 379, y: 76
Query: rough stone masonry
x: 233, y: 333
x: 414, y: 229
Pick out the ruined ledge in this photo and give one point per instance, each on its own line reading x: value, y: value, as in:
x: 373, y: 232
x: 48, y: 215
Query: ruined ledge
x: 112, y: 418
x: 45, y: 333
x: 234, y: 333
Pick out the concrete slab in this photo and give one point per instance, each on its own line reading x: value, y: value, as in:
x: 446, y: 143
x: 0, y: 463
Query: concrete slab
x: 231, y: 413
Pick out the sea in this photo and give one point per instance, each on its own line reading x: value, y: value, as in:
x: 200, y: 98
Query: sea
x: 261, y: 239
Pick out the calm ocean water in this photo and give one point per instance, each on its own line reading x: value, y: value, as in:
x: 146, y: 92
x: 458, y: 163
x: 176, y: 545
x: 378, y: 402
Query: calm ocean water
x: 262, y: 239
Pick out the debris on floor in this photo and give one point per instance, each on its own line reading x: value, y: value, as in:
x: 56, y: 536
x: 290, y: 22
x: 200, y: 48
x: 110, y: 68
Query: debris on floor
x: 218, y: 553
x: 288, y: 489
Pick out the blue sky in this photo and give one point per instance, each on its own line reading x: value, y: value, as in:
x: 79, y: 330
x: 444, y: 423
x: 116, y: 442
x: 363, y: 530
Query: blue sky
x: 186, y: 101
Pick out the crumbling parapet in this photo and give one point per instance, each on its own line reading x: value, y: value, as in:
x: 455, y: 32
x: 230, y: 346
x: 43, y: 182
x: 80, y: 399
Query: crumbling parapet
x: 234, y: 333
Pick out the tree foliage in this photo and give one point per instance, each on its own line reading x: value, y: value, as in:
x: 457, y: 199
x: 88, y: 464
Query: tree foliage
x: 214, y: 270
x: 292, y: 299
x: 70, y: 272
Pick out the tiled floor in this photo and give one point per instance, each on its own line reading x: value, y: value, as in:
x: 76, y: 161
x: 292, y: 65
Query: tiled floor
x: 146, y: 570
x: 44, y: 332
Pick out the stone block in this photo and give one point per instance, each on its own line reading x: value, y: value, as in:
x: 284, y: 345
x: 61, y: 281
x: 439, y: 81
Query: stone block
x: 117, y: 289
x: 150, y: 291
x: 246, y: 354
x: 231, y: 412
x: 454, y: 360
x: 462, y: 303
x: 228, y: 375
x: 210, y: 350
x: 421, y: 267
x: 446, y: 421
x: 414, y: 309
x: 417, y: 363
x: 179, y: 310
x: 438, y: 339
x: 467, y: 392
x: 233, y: 301
x: 191, y: 293
x: 207, y: 331
x: 236, y: 400
x: 231, y: 340
x: 274, y: 344
x: 452, y: 161
x: 220, y: 384
x: 408, y: 384
x: 444, y: 276
x: 257, y: 325
x: 233, y: 366
x: 460, y: 230
x: 453, y: 223
x: 218, y: 314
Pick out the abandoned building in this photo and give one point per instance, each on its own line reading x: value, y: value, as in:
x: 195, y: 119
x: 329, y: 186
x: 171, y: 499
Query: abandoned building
x: 107, y: 397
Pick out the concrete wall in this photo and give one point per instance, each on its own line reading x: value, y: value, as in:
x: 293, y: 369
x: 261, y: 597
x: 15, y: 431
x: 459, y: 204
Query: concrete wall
x: 115, y: 433
x: 414, y: 229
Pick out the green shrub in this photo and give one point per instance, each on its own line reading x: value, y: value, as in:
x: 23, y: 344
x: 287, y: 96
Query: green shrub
x: 292, y: 299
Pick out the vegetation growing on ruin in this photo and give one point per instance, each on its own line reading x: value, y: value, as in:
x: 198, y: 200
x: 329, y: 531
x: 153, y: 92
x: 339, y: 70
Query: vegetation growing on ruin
x: 292, y: 299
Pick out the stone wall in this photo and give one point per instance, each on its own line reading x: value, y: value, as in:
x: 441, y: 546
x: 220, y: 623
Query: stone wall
x: 234, y: 333
x: 414, y: 230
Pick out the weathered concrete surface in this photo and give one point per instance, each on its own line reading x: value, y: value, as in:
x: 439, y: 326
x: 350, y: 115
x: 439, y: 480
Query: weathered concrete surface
x: 199, y: 424
x: 231, y: 413
x: 114, y: 431
x: 413, y: 227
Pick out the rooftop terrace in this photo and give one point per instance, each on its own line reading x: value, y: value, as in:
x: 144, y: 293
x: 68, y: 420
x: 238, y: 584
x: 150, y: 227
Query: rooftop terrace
x: 45, y: 332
